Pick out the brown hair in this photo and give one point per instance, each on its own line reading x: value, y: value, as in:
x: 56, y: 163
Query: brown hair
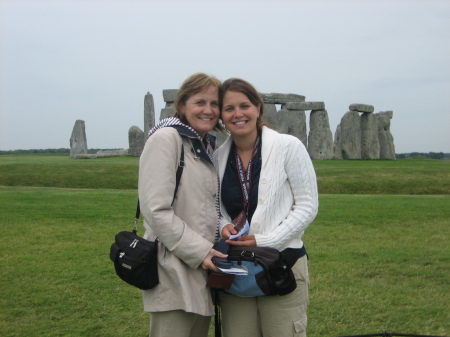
x: 193, y: 85
x: 244, y: 87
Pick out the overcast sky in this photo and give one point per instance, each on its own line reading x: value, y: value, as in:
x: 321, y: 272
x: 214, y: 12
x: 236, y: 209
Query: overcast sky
x: 95, y: 60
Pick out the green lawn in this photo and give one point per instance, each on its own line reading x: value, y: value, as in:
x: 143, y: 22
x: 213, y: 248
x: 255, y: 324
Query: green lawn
x: 378, y: 261
x: 406, y: 176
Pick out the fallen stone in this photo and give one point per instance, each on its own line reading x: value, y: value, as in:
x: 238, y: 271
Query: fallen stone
x: 111, y: 153
x: 85, y: 156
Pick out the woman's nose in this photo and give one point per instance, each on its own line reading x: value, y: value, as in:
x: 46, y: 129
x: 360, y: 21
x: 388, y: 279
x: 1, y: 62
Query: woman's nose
x: 208, y: 108
x: 238, y: 113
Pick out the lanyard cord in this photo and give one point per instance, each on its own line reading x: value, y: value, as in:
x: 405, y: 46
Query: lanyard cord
x: 246, y: 177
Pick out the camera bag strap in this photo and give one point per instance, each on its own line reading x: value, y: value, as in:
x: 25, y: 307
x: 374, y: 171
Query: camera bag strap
x: 178, y: 178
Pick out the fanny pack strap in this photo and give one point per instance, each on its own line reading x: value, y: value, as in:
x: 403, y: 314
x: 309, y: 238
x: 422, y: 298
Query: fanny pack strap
x: 291, y: 255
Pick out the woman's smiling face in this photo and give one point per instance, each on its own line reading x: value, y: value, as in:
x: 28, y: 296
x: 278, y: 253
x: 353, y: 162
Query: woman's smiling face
x: 239, y: 114
x: 202, y: 110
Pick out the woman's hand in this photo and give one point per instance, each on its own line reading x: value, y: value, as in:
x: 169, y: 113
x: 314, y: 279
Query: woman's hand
x: 228, y: 230
x: 246, y: 240
x: 208, y: 263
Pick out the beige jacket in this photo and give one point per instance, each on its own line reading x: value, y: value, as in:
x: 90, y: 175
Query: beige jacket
x: 186, y: 231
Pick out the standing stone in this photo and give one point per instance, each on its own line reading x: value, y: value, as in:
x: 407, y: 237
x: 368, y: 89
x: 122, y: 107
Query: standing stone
x: 351, y: 135
x: 370, y: 146
x: 166, y: 112
x: 169, y: 96
x: 269, y: 113
x: 289, y: 121
x: 136, y: 141
x: 387, y: 148
x: 299, y: 107
x: 149, y: 113
x: 78, y: 143
x: 295, y: 124
x: 320, y: 138
x: 337, y: 149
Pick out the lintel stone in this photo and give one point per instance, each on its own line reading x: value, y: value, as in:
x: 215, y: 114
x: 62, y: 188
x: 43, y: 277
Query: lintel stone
x: 361, y: 107
x: 169, y: 95
x: 305, y: 105
x: 276, y: 98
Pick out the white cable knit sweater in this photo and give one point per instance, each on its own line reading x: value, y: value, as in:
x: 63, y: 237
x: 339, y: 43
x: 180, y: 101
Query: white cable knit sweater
x: 287, y: 191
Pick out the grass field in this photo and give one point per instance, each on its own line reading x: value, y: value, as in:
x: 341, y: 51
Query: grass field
x: 379, y: 257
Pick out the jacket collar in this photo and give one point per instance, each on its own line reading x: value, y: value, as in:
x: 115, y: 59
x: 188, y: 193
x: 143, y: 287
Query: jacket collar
x: 198, y: 149
x: 186, y: 131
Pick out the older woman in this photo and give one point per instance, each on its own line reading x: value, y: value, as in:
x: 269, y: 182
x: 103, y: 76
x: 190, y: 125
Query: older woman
x: 181, y: 305
x: 269, y: 177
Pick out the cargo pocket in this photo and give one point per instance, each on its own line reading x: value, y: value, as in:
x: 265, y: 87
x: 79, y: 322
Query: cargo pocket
x: 300, y: 327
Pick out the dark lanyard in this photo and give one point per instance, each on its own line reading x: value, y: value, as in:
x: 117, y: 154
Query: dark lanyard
x: 245, y: 177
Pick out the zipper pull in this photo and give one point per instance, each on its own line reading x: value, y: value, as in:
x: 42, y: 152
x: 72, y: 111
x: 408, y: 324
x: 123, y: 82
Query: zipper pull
x: 134, y: 243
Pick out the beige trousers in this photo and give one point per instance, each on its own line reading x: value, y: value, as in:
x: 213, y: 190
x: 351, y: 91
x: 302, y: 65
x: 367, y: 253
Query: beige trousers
x: 178, y: 323
x: 268, y: 316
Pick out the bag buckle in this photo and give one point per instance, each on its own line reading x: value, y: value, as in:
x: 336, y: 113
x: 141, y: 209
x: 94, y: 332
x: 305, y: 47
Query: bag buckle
x: 244, y: 253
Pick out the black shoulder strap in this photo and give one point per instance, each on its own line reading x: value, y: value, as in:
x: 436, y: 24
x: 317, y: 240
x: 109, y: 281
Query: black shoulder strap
x: 178, y: 178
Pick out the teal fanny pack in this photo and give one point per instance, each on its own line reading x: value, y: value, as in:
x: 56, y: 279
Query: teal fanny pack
x: 269, y: 271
